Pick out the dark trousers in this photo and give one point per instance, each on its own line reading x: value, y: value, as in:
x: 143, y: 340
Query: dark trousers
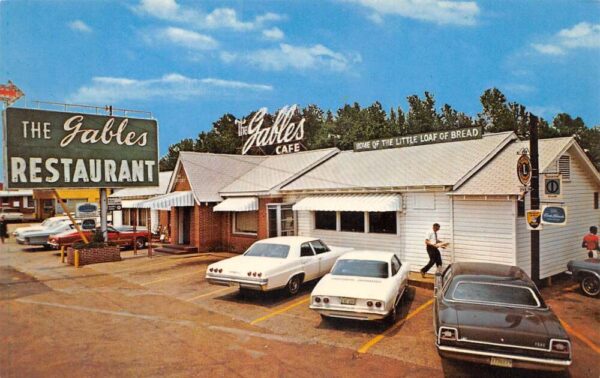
x: 435, y: 257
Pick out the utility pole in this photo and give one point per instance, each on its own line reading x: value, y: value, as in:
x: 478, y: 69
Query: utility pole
x: 104, y: 200
x: 535, y: 195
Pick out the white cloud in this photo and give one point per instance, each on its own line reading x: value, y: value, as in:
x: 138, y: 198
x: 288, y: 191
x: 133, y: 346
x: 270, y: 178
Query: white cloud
x: 115, y: 89
x: 548, y: 49
x: 518, y: 88
x: 439, y: 12
x: 583, y: 36
x: 228, y: 57
x: 274, y: 34
x: 80, y: 26
x: 186, y: 38
x: 220, y: 18
x: 300, y: 58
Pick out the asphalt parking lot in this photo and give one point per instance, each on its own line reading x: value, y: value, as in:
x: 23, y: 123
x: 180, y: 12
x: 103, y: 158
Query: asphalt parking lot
x: 158, y: 316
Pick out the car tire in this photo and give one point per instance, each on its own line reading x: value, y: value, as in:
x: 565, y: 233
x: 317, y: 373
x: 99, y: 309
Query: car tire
x: 140, y: 243
x: 325, y: 318
x: 293, y: 285
x: 393, y: 316
x: 590, y: 285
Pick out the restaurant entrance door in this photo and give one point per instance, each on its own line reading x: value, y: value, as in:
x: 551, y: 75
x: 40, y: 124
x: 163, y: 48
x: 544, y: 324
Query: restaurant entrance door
x: 185, y: 218
x: 281, y: 220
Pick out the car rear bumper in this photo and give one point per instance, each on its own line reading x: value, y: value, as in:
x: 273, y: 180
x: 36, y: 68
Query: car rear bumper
x: 262, y: 285
x: 345, y: 313
x: 483, y: 357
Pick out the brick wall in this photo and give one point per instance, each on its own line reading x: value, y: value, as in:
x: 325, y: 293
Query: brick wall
x: 181, y: 181
x: 174, y: 230
x: 94, y: 255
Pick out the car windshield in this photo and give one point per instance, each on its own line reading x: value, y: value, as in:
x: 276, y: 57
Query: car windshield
x: 47, y: 222
x: 279, y: 251
x: 495, y: 294
x: 361, y: 268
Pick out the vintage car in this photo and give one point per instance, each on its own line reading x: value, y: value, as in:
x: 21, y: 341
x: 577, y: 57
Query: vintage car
x: 282, y: 262
x: 587, y: 273
x: 123, y: 236
x: 494, y: 314
x: 47, y: 223
x: 41, y: 237
x: 11, y: 215
x: 364, y: 285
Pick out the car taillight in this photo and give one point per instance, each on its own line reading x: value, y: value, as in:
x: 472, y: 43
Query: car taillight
x: 254, y: 274
x: 260, y: 274
x: 249, y: 274
x: 560, y: 346
x: 325, y: 300
x: 317, y: 300
x: 221, y: 270
x: 369, y: 303
x: 210, y: 269
x: 448, y: 333
x: 377, y: 304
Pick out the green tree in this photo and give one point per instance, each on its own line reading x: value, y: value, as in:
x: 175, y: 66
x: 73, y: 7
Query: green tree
x: 422, y: 116
x: 168, y: 162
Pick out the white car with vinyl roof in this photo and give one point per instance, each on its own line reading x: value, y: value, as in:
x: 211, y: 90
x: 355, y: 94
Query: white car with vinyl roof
x: 282, y: 262
x: 363, y: 285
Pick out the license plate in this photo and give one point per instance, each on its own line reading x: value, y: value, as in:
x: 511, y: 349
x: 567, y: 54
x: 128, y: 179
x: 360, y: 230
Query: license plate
x: 502, y: 362
x: 348, y: 301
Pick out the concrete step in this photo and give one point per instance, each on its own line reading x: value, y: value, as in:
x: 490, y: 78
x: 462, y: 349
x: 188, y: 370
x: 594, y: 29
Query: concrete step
x: 176, y: 251
x: 415, y: 279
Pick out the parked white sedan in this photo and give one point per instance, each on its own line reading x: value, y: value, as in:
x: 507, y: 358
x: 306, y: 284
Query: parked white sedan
x: 47, y: 223
x: 364, y: 285
x: 283, y: 262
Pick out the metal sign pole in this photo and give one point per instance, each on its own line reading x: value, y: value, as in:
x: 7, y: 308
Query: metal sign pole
x: 104, y: 213
x: 535, y: 195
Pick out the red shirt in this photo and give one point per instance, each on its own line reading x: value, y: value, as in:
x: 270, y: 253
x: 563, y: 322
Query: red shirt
x: 591, y: 241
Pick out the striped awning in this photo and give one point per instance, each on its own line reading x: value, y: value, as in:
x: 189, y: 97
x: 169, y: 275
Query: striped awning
x: 167, y: 201
x: 238, y: 204
x: 351, y: 202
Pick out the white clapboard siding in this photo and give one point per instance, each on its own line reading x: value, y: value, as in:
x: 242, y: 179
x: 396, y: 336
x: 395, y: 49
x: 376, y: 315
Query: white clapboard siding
x: 418, y: 222
x: 408, y: 244
x: 484, y: 231
x: 559, y: 244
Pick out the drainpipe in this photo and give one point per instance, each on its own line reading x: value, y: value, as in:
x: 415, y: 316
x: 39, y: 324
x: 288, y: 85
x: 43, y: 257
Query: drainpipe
x: 452, y: 228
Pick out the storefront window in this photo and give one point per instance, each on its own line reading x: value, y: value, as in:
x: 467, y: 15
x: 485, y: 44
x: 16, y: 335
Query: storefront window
x: 127, y: 217
x: 352, y: 221
x: 29, y: 202
x: 325, y: 220
x: 245, y: 222
x: 382, y: 222
x: 143, y: 217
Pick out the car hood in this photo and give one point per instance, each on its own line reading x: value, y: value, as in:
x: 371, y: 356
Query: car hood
x: 353, y: 287
x: 21, y: 230
x: 507, y: 326
x: 45, y: 232
x: 241, y: 265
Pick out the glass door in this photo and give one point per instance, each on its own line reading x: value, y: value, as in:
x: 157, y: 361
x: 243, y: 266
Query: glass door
x: 281, y: 220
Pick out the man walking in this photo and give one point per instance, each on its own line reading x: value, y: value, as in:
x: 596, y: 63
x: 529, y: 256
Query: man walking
x: 591, y: 241
x: 432, y: 244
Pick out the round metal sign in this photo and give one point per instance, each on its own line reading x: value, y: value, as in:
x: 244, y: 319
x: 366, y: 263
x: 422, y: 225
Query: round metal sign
x: 524, y: 169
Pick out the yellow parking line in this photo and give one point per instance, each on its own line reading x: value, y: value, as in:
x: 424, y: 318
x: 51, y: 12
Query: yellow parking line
x: 581, y: 337
x: 211, y: 293
x: 365, y: 347
x: 280, y: 311
x: 169, y: 278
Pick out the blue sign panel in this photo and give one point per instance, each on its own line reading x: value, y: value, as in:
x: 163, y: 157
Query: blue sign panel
x: 554, y: 215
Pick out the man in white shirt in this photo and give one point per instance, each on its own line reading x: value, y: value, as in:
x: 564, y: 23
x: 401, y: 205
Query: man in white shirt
x: 432, y: 244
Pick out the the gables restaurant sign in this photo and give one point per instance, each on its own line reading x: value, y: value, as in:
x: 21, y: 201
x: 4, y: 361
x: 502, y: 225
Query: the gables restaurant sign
x: 283, y: 137
x: 441, y: 136
x: 48, y: 149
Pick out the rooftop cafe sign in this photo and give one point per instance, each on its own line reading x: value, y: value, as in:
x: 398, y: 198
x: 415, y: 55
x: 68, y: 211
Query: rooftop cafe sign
x: 441, y: 136
x: 49, y: 149
x: 283, y: 137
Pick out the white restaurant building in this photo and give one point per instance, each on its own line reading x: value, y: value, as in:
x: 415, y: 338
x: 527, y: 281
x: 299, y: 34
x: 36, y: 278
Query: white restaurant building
x: 387, y: 200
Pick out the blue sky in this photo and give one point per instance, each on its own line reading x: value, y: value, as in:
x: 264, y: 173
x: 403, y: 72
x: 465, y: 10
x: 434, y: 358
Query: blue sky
x: 189, y: 62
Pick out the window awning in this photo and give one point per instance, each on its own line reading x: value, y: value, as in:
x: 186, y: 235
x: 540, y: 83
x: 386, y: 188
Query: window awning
x: 167, y: 201
x: 351, y: 202
x: 238, y: 204
x: 130, y: 204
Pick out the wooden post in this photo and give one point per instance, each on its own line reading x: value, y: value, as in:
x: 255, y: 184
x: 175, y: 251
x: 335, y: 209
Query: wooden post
x: 62, y: 254
x: 149, y: 227
x: 135, y: 231
x: 64, y: 207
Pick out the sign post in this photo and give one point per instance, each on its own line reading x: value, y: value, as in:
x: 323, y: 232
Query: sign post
x: 535, y: 196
